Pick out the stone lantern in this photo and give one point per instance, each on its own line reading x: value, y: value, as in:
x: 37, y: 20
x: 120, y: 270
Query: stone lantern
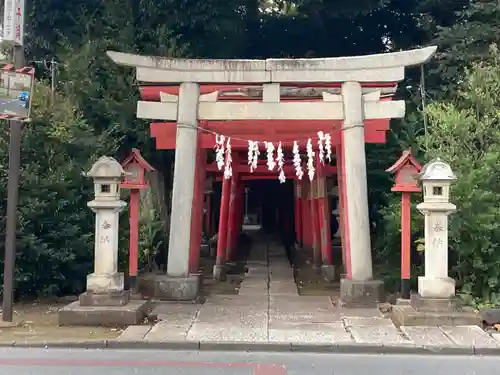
x: 436, y: 178
x: 105, y: 301
x: 435, y: 304
x: 106, y: 283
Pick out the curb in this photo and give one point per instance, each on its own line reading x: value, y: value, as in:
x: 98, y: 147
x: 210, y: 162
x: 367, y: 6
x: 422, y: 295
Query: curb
x: 340, y: 348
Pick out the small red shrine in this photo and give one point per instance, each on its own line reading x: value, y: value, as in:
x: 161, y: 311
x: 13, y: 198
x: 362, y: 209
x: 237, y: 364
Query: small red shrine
x: 135, y: 167
x: 406, y: 169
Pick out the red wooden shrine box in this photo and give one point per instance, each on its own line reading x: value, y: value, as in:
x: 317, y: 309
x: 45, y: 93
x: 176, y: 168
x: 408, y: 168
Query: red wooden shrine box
x: 406, y: 169
x: 136, y: 167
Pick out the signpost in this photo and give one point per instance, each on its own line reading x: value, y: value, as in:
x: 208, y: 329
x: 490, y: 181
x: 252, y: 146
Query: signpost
x: 13, y: 30
x: 13, y: 22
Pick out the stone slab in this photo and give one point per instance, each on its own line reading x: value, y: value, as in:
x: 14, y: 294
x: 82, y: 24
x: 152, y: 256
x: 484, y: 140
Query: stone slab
x: 377, y: 335
x: 356, y: 321
x: 132, y: 313
x: 210, y: 332
x: 407, y: 316
x: 239, y: 317
x: 164, y: 331
x: 306, y: 336
x: 427, y: 336
x: 356, y: 293
x: 134, y: 333
x: 470, y: 336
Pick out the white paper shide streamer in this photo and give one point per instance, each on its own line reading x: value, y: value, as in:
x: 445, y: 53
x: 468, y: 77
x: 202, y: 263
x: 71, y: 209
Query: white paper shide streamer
x: 328, y: 147
x: 271, y: 164
x: 297, y: 163
x: 253, y: 155
x: 310, y: 159
x: 228, y: 171
x: 224, y: 159
x: 219, y: 151
x: 321, y: 150
x: 280, y: 159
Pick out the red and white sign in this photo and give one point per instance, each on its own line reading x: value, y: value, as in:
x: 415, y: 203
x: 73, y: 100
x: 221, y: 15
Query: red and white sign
x: 13, y: 21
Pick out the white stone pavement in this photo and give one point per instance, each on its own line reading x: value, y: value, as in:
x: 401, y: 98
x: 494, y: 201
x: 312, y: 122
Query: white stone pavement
x: 268, y: 309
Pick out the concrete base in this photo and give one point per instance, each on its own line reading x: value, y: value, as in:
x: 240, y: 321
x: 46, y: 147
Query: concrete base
x: 220, y: 273
x: 430, y: 287
x: 103, y: 284
x: 132, y: 313
x: 329, y: 272
x: 105, y: 299
x: 435, y: 312
x: 168, y: 288
x: 357, y: 293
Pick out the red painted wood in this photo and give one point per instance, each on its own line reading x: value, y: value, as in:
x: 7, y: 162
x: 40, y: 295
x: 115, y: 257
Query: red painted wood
x: 238, y: 218
x: 152, y: 93
x: 262, y: 170
x: 324, y: 224
x: 165, y: 140
x: 232, y: 217
x: 134, y: 232
x: 223, y: 222
x: 298, y: 214
x: 165, y: 134
x: 197, y: 211
x: 264, y: 128
x: 208, y: 215
x: 405, y: 236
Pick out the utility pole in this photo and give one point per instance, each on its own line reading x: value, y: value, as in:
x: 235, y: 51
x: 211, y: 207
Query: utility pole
x: 15, y: 132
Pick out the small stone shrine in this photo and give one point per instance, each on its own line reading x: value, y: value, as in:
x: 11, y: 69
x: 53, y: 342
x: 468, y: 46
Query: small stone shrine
x: 105, y: 301
x: 436, y: 302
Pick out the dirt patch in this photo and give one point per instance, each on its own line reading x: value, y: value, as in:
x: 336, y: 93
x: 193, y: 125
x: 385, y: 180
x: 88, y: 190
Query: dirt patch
x: 39, y: 323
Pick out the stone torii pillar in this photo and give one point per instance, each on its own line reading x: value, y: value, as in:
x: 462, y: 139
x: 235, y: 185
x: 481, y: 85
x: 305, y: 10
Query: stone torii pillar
x: 353, y: 106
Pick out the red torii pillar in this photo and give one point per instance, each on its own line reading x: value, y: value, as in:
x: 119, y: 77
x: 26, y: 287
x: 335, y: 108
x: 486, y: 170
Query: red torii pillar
x: 316, y: 237
x: 324, y: 214
x: 306, y: 216
x: 232, y: 216
x: 298, y: 212
x: 220, y: 259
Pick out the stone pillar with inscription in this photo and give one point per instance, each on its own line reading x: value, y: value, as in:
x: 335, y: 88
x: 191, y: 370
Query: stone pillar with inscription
x: 436, y: 178
x: 105, y: 301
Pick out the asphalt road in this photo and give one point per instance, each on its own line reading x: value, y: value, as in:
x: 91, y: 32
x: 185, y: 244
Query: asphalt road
x: 13, y: 105
x: 21, y: 361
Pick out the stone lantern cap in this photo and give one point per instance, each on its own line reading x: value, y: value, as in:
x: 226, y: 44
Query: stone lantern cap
x: 437, y: 170
x: 106, y: 167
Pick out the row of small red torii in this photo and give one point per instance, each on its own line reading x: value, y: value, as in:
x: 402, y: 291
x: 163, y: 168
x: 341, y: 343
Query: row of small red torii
x: 310, y: 202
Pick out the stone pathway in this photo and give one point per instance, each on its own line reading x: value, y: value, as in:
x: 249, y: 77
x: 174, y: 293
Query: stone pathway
x: 268, y: 309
